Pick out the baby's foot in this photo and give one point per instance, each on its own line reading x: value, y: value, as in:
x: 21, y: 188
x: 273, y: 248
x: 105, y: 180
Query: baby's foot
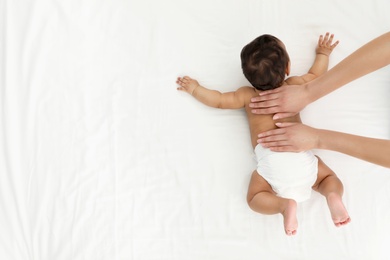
x: 339, y: 214
x: 290, y: 218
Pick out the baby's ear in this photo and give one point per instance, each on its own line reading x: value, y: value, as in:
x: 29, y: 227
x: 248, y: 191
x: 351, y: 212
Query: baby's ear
x: 288, y: 68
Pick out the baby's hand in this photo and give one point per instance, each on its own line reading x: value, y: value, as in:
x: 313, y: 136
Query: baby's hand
x: 325, y: 45
x: 187, y: 84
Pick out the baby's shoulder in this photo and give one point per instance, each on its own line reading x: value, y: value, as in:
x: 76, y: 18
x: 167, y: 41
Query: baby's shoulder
x: 295, y: 80
x: 246, y: 90
x: 246, y: 93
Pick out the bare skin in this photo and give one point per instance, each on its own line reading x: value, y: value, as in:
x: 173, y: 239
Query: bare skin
x: 261, y: 198
x: 284, y: 102
x: 332, y: 189
x: 287, y: 101
x: 296, y: 137
x: 338, y: 212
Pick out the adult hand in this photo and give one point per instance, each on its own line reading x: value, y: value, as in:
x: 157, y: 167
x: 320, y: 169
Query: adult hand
x: 284, y: 101
x: 290, y: 137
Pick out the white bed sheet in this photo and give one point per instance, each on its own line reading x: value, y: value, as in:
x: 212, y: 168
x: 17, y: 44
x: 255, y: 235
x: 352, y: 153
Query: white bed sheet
x: 102, y: 158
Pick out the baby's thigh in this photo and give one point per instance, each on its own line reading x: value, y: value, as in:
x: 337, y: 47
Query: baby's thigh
x: 258, y: 184
x: 323, y: 172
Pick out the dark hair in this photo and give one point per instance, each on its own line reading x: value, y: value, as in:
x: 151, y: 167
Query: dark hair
x: 264, y: 62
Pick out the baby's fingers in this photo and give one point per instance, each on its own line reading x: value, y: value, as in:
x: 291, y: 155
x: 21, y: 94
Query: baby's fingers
x: 320, y: 39
x: 183, y: 80
x: 179, y: 79
x: 329, y: 42
x: 324, y: 39
x: 181, y: 89
x: 334, y: 44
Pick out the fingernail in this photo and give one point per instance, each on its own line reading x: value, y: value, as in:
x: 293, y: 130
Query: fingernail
x: 276, y: 117
x: 250, y: 104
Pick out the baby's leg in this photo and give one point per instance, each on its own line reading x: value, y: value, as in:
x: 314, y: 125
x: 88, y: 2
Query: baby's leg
x: 262, y: 199
x: 329, y: 185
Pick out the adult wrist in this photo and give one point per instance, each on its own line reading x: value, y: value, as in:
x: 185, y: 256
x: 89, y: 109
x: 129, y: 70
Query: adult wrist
x: 320, y: 143
x: 312, y: 92
x: 309, y: 94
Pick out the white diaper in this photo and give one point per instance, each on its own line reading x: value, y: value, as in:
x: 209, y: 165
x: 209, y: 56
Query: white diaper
x: 291, y: 175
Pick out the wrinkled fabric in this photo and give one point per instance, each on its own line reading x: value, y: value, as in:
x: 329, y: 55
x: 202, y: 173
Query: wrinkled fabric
x: 102, y: 158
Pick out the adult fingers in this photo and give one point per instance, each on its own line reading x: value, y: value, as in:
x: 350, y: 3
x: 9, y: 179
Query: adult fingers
x: 286, y: 148
x: 285, y: 124
x: 266, y: 111
x: 283, y: 115
x: 275, y: 144
x: 271, y: 91
x: 264, y: 104
x: 262, y: 98
x: 273, y: 134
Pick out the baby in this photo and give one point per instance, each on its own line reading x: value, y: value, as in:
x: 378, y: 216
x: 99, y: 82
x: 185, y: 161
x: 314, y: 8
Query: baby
x: 281, y: 179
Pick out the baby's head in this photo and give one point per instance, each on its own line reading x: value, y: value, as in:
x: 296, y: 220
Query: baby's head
x: 265, y: 62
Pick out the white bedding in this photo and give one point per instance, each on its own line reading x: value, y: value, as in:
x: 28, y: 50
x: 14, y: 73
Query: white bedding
x: 102, y: 158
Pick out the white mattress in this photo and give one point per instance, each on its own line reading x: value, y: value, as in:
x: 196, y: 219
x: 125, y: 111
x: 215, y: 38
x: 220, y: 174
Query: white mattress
x: 102, y: 158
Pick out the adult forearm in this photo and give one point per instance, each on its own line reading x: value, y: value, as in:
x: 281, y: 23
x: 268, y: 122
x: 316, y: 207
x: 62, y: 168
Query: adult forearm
x: 370, y: 57
x: 373, y: 150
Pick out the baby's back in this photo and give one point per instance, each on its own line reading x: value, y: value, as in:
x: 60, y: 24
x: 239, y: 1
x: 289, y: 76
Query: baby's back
x: 261, y: 123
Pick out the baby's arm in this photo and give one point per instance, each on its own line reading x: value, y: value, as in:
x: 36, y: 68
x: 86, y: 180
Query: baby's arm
x: 321, y: 62
x: 212, y: 98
